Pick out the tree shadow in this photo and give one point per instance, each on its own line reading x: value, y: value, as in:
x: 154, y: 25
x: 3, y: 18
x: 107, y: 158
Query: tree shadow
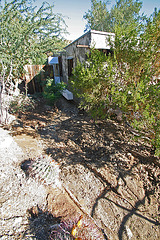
x: 79, y: 140
x: 96, y: 145
x: 131, y: 211
x: 40, y: 223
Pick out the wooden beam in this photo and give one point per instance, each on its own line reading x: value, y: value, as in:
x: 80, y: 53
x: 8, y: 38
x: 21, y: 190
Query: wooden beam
x: 83, y: 46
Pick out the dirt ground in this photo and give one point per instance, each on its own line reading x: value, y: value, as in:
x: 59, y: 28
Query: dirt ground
x: 107, y: 176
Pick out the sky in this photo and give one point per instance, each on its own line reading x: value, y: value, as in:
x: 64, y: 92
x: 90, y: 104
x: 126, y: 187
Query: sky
x: 74, y: 10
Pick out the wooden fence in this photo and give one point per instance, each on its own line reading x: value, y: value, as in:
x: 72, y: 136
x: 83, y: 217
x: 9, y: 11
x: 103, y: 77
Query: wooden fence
x: 35, y: 76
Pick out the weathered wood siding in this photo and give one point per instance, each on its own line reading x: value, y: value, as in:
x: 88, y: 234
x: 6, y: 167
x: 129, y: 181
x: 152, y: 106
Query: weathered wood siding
x: 35, y: 75
x: 78, y: 49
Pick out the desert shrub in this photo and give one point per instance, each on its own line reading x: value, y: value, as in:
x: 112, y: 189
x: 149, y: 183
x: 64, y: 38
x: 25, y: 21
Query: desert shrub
x: 52, y: 91
x: 91, y: 84
x: 127, y: 81
x: 131, y: 80
x: 21, y: 103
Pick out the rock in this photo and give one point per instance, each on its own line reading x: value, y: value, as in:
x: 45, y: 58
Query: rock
x: 129, y: 233
x: 18, y: 194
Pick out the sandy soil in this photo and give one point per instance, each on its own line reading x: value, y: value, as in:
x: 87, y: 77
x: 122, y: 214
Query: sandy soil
x: 107, y: 177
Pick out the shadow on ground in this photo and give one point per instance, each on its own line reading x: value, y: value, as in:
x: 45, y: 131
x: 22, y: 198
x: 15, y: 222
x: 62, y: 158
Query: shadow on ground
x: 115, y: 178
x: 40, y: 224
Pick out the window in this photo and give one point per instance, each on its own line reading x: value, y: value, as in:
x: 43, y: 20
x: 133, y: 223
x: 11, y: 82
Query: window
x: 60, y: 66
x: 70, y: 67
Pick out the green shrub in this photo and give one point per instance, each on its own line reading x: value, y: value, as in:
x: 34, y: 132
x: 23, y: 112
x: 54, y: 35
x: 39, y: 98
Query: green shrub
x: 21, y: 103
x: 116, y: 82
x: 91, y: 84
x: 52, y: 91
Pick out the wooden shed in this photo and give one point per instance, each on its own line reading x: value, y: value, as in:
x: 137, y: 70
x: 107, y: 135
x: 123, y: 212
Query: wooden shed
x: 64, y: 63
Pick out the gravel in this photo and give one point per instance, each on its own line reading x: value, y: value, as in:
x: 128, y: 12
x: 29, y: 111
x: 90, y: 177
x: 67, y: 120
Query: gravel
x: 18, y: 193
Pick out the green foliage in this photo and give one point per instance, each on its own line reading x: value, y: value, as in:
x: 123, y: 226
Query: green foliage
x: 27, y: 34
x: 98, y: 17
x: 123, y: 13
x: 21, y: 103
x: 52, y: 91
x: 126, y: 13
x: 91, y: 84
x: 128, y: 80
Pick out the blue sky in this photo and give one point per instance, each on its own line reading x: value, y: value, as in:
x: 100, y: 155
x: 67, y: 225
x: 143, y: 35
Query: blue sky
x: 75, y: 9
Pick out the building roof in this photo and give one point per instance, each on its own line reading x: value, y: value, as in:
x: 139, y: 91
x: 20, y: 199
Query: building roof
x: 98, y: 39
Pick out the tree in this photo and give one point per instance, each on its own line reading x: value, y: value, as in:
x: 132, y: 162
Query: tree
x: 27, y: 35
x: 123, y: 13
x: 91, y: 83
x: 128, y: 80
x: 98, y: 17
x: 126, y: 13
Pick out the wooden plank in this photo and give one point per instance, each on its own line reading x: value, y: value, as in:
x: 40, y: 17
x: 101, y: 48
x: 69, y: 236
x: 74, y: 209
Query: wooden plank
x: 83, y: 46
